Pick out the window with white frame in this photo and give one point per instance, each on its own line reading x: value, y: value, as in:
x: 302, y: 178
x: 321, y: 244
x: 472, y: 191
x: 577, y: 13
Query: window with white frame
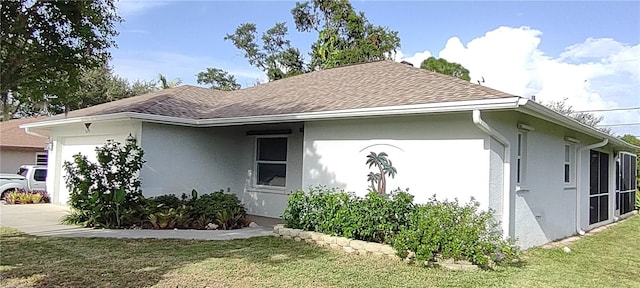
x: 521, y: 157
x: 568, y: 164
x: 41, y: 159
x: 271, y: 161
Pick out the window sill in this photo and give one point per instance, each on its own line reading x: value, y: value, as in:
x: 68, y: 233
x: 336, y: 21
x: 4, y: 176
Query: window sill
x: 570, y: 187
x: 269, y: 190
x: 522, y: 189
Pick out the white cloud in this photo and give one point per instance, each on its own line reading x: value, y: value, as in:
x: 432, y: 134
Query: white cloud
x: 595, y: 74
x: 416, y: 59
x: 592, y: 48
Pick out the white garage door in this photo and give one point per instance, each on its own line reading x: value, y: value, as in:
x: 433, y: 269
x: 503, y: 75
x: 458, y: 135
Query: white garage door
x: 85, y: 146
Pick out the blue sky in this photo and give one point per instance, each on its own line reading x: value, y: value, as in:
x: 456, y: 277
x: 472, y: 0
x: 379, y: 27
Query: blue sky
x: 522, y: 48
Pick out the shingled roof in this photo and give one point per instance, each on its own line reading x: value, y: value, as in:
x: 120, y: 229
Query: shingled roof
x: 375, y: 84
x: 14, y: 137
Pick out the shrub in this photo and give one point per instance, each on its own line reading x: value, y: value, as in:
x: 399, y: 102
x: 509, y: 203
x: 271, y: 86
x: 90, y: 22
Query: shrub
x: 35, y: 198
x: 20, y: 196
x: 439, y: 229
x: 13, y: 197
x: 446, y: 229
x: 217, y: 207
x: 107, y: 193
x: 163, y: 202
x: 376, y: 217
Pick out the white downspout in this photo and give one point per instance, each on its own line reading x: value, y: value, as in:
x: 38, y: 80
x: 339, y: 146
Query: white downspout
x: 29, y: 132
x: 506, y: 197
x: 578, y: 182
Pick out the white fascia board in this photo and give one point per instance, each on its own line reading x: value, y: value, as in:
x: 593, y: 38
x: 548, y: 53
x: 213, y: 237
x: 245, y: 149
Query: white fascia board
x: 457, y: 106
x: 490, y: 104
x: 43, y: 125
x: 540, y: 111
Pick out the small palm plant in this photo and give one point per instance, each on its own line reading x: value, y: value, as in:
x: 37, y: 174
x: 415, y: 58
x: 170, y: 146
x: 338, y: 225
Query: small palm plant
x: 385, y: 168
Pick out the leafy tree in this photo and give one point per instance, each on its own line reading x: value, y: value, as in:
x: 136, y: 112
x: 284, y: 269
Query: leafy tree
x: 218, y: 79
x: 385, y: 167
x: 142, y: 87
x: 166, y: 84
x: 585, y: 118
x: 96, y: 86
x: 44, y: 45
x: 276, y: 57
x: 445, y: 67
x: 344, y: 35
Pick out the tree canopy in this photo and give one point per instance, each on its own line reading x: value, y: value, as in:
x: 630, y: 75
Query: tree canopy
x: 164, y: 83
x: 95, y: 86
x: 344, y: 37
x: 275, y: 57
x: 218, y: 79
x: 445, y: 67
x: 44, y: 46
x: 585, y: 118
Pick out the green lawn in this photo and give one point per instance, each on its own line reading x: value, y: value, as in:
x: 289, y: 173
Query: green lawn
x: 611, y: 258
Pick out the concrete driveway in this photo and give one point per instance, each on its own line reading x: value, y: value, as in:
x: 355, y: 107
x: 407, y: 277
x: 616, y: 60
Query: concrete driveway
x: 44, y: 220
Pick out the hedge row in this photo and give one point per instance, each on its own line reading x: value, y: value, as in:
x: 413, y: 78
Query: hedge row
x: 437, y: 229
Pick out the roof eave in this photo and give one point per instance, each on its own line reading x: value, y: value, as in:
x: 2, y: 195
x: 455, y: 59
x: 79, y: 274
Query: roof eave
x: 540, y: 111
x: 110, y: 117
x: 456, y: 106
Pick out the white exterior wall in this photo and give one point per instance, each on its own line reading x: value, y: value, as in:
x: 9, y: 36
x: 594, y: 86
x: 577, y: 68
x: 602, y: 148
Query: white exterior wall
x: 263, y: 201
x: 11, y: 160
x: 446, y: 155
x: 71, y: 139
x: 180, y: 159
x: 543, y: 206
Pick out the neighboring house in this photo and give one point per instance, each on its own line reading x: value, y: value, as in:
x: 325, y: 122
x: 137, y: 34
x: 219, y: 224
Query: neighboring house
x: 18, y: 148
x: 545, y: 175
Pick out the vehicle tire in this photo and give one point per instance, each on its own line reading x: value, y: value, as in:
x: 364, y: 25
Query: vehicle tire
x: 4, y: 193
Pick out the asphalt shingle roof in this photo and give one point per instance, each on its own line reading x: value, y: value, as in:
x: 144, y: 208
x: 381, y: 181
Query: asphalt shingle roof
x: 14, y: 137
x: 375, y: 84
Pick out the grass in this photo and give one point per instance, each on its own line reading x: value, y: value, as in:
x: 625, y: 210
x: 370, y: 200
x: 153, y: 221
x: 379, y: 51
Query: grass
x: 607, y: 259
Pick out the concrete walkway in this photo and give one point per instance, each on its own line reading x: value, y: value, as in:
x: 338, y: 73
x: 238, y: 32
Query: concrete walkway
x: 44, y: 220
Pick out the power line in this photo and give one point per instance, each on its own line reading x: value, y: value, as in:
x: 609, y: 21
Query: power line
x: 607, y: 110
x: 619, y: 124
x: 604, y: 63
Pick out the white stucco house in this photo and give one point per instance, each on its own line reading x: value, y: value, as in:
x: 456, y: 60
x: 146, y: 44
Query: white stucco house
x: 546, y: 176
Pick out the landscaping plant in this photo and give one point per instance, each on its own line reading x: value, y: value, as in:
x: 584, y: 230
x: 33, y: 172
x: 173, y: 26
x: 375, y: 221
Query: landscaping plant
x: 19, y: 196
x: 331, y: 211
x: 169, y: 211
x: 436, y: 230
x: 448, y: 230
x: 106, y: 193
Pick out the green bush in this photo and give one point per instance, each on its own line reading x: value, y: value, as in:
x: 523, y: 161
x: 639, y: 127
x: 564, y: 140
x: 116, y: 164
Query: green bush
x: 448, y: 230
x: 107, y: 193
x: 169, y: 211
x: 439, y: 229
x: 218, y: 207
x: 170, y: 200
x: 376, y: 217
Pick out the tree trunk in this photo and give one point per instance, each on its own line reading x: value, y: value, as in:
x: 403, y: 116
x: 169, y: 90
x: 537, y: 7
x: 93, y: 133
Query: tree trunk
x: 5, y: 106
